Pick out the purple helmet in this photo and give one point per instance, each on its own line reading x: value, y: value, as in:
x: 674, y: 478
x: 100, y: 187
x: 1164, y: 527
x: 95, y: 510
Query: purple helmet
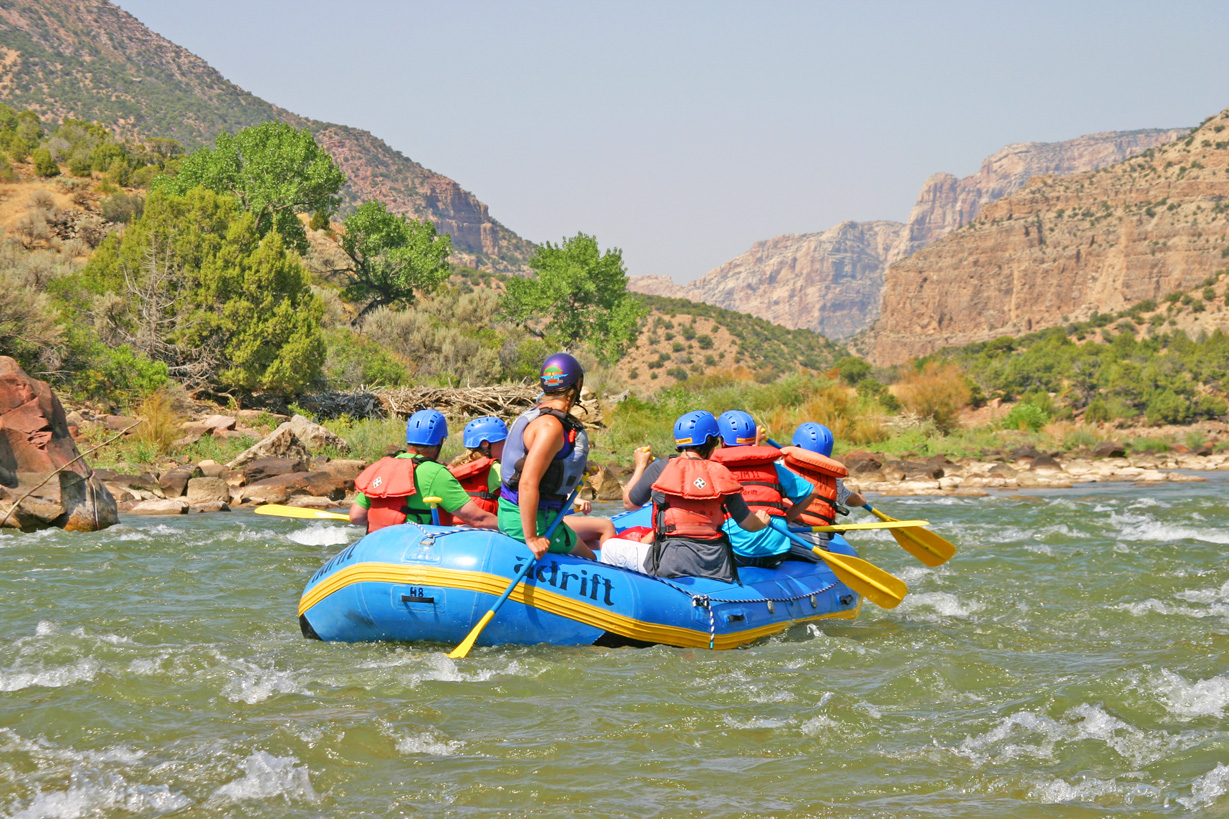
x: 559, y: 372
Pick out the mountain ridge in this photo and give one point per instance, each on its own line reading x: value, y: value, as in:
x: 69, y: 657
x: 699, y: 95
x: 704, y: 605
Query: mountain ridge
x: 91, y: 60
x: 832, y: 281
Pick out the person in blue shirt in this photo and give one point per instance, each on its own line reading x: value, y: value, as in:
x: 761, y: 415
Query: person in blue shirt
x: 767, y: 485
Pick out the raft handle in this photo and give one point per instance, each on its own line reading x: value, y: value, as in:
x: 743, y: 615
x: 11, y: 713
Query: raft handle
x: 417, y: 598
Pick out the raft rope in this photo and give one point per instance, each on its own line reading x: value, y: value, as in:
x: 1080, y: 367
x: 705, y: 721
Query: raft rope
x: 705, y: 601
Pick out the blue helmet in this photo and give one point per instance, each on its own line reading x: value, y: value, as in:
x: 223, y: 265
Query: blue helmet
x: 560, y: 371
x: 814, y: 437
x: 487, y: 429
x: 426, y: 428
x: 737, y: 428
x: 695, y: 429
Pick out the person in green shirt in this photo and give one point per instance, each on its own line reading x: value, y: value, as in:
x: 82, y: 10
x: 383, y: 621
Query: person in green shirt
x: 385, y: 499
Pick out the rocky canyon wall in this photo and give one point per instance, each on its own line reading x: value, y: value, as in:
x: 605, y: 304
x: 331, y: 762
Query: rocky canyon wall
x: 832, y: 282
x: 1063, y: 248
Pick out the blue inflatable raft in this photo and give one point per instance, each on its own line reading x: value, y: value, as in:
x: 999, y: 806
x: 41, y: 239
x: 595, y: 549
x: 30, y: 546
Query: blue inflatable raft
x: 413, y: 583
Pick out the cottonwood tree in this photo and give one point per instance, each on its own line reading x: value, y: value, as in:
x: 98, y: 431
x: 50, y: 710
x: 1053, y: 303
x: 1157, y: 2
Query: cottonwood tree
x: 391, y: 257
x: 273, y: 171
x: 578, y: 297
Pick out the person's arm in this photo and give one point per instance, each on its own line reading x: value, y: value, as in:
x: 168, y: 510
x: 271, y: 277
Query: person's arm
x: 741, y: 514
x: 641, y: 492
x: 801, y: 506
x: 543, y: 438
x: 846, y: 498
x: 358, y: 515
x: 641, y: 458
x: 476, y: 516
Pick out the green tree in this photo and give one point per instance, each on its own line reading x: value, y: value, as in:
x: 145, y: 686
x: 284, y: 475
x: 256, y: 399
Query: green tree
x: 579, y: 296
x: 252, y: 304
x: 44, y: 165
x: 391, y: 257
x: 191, y: 283
x: 273, y: 170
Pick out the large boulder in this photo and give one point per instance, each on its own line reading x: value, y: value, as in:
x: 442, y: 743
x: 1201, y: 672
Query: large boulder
x: 174, y: 482
x: 261, y: 468
x: 281, y: 488
x: 296, y: 438
x: 38, y: 456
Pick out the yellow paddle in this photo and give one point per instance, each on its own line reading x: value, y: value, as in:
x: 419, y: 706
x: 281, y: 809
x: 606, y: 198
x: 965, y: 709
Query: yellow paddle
x: 434, y: 503
x: 298, y: 512
x: 923, y: 544
x: 857, y: 527
x: 468, y: 643
x: 867, y: 579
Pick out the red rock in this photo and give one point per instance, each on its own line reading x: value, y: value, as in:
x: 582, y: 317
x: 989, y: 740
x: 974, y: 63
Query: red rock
x: 34, y: 444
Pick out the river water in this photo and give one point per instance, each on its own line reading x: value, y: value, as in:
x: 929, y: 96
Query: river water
x: 1071, y: 660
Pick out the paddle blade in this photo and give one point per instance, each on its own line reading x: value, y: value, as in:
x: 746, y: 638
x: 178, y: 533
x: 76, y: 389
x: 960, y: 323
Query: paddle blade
x: 468, y: 643
x: 867, y: 579
x: 277, y: 510
x: 884, y: 590
x: 857, y: 527
x: 923, y: 544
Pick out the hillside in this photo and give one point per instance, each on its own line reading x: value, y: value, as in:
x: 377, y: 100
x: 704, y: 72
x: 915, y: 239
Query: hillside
x: 1063, y: 248
x: 832, y: 282
x: 680, y: 339
x: 90, y: 60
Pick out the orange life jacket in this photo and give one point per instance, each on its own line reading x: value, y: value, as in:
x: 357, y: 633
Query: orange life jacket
x: 386, y: 484
x: 695, y: 493
x: 752, y: 466
x: 821, y: 471
x: 473, y: 477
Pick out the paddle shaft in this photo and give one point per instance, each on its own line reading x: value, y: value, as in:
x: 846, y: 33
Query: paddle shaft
x: 468, y: 643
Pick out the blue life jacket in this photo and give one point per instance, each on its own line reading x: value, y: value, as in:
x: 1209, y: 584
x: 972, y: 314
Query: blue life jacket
x: 566, y: 469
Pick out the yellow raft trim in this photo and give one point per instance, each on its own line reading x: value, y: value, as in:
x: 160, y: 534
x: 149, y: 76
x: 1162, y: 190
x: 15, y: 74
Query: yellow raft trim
x: 547, y: 601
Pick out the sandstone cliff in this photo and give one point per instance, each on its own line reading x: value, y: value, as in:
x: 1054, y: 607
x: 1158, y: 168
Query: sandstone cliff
x: 1063, y: 248
x: 91, y: 60
x: 832, y: 282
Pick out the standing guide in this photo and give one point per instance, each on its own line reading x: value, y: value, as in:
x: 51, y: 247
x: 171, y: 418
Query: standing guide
x: 549, y: 452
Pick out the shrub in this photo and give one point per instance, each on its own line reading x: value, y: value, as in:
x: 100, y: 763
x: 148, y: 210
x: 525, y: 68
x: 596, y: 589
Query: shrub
x: 704, y: 341
x: 852, y: 369
x: 44, y: 164
x: 938, y: 392
x: 122, y: 207
x: 1025, y: 417
x: 319, y: 221
x: 1097, y: 411
x: 161, y: 422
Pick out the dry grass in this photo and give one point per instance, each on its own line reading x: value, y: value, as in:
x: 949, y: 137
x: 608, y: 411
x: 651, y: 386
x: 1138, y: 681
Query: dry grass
x: 938, y: 391
x: 162, y: 419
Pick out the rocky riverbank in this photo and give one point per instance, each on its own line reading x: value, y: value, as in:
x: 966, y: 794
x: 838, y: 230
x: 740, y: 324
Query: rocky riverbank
x: 1025, y: 468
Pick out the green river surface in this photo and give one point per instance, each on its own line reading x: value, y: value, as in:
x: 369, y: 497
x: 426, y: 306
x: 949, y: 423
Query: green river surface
x: 1071, y: 660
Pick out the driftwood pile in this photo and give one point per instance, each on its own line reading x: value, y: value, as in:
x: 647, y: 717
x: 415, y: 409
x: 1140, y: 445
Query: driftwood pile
x: 459, y: 403
x: 505, y: 401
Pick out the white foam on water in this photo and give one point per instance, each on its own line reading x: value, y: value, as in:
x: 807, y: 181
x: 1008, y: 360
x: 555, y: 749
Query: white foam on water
x: 259, y: 684
x: 94, y: 794
x: 46, y: 628
x: 1220, y: 595
x: 434, y: 666
x: 1039, y: 548
x: 1129, y: 742
x: 1208, y: 788
x: 1146, y: 528
x: 1190, y: 700
x: 1022, y: 724
x: 428, y: 745
x: 57, y: 677
x: 322, y: 534
x: 757, y: 722
x: 1154, y: 606
x: 819, y: 725
x: 1090, y: 789
x: 267, y: 776
x: 944, y: 604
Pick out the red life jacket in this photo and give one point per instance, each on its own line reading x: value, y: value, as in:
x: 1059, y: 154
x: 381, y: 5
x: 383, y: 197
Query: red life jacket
x: 752, y: 466
x: 473, y: 477
x: 821, y: 471
x: 695, y: 493
x: 386, y: 484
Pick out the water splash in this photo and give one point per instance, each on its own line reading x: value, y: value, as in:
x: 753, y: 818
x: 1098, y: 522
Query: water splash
x: 267, y: 776
x: 1208, y: 788
x: 322, y: 534
x: 1190, y: 700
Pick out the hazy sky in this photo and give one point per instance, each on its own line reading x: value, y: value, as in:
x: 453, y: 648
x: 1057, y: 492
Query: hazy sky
x: 682, y: 132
